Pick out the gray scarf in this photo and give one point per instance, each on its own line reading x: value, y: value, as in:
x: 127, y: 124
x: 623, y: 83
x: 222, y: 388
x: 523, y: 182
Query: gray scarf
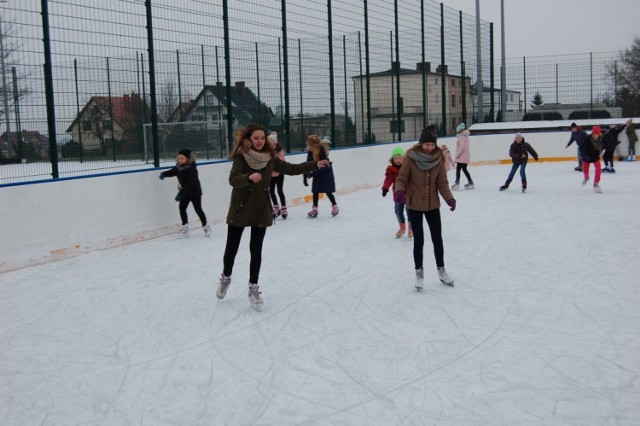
x: 256, y: 160
x: 424, y: 161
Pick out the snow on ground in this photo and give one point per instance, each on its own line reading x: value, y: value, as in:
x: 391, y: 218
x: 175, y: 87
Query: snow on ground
x: 542, y: 326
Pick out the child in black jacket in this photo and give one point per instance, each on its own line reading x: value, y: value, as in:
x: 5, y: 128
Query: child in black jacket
x: 609, y: 143
x: 190, y: 190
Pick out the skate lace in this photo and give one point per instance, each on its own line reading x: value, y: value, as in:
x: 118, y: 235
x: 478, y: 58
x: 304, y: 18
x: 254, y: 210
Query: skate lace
x: 254, y: 292
x: 224, y: 282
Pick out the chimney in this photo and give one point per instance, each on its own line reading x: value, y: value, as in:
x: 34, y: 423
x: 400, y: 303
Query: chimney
x: 240, y: 87
x: 439, y: 69
x: 395, y: 66
x: 423, y: 65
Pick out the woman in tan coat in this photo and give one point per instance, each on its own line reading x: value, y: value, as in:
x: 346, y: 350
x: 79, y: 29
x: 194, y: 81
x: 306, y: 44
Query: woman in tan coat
x: 422, y: 176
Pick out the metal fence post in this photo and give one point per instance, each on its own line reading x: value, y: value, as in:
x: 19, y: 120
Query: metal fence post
x: 285, y: 57
x: 331, y: 82
x: 152, y: 86
x: 443, y: 128
x: 48, y: 84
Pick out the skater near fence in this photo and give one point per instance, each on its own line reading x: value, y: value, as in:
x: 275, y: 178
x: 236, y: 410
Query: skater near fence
x: 630, y: 130
x: 577, y: 136
x: 422, y: 176
x: 390, y: 175
x: 190, y: 190
x: 323, y: 179
x: 463, y: 157
x: 253, y: 161
x: 609, y: 144
x: 519, y: 152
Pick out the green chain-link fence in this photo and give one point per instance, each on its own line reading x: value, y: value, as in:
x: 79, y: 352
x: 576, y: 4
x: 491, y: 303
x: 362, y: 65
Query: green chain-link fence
x: 100, y: 87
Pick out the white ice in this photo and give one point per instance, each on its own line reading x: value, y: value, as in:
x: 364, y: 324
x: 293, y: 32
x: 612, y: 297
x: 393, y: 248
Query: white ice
x: 541, y: 327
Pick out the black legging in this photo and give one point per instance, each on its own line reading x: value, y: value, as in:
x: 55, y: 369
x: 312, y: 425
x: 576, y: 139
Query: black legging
x: 277, y: 181
x: 316, y: 197
x: 234, y: 235
x: 435, y: 228
x: 463, y: 167
x: 197, y: 206
x: 608, y: 157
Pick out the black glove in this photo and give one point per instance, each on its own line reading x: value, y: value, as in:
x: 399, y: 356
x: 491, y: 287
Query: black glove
x: 161, y: 176
x: 178, y: 197
x: 384, y: 192
x: 304, y: 181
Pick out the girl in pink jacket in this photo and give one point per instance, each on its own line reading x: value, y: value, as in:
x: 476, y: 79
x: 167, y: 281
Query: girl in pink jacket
x: 463, y: 157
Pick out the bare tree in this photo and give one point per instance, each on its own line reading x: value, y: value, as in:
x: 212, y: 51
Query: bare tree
x: 10, y: 44
x: 626, y: 74
x: 99, y: 125
x: 168, y: 100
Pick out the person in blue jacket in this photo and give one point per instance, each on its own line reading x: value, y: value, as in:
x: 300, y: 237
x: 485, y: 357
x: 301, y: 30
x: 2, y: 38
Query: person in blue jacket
x: 323, y: 179
x: 577, y: 135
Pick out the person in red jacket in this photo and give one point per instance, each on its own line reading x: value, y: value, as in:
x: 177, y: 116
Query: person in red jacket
x: 390, y: 175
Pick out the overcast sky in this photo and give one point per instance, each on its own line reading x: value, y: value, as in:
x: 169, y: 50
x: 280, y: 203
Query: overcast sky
x: 550, y: 27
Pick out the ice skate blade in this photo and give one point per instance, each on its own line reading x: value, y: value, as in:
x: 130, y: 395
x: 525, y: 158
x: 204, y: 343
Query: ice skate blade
x: 418, y: 289
x: 449, y: 284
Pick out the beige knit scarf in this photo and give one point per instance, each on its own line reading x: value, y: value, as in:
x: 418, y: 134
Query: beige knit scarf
x: 256, y: 160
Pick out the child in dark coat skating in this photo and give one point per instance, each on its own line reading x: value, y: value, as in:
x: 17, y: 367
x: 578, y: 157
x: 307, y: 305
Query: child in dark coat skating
x: 519, y: 153
x: 190, y: 190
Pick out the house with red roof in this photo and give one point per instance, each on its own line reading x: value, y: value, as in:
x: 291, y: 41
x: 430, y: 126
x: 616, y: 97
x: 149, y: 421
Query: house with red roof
x: 111, y: 123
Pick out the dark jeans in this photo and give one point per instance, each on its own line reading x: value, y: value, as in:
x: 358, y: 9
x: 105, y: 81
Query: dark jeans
x: 462, y: 167
x: 234, y: 235
x: 316, y: 197
x: 197, y: 206
x: 277, y: 182
x: 399, y: 209
x: 435, y: 228
x: 523, y: 176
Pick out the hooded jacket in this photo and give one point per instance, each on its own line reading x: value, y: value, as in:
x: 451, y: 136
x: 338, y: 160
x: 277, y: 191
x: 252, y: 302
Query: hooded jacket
x: 187, y: 175
x: 462, y: 148
x: 520, y: 152
x: 422, y: 186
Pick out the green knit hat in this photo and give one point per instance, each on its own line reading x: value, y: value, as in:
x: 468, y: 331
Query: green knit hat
x: 397, y: 151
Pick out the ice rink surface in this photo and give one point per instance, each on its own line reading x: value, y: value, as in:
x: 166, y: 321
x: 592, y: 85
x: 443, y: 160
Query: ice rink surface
x: 541, y: 327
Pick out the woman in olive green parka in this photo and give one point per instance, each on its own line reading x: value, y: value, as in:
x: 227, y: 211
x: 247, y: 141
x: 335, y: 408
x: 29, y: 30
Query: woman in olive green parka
x: 253, y: 160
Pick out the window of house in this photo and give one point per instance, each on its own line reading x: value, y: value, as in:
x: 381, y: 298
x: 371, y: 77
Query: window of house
x: 453, y: 82
x: 436, y: 99
x: 106, y: 124
x: 210, y: 100
x: 86, y: 125
x: 511, y: 97
x: 453, y: 100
